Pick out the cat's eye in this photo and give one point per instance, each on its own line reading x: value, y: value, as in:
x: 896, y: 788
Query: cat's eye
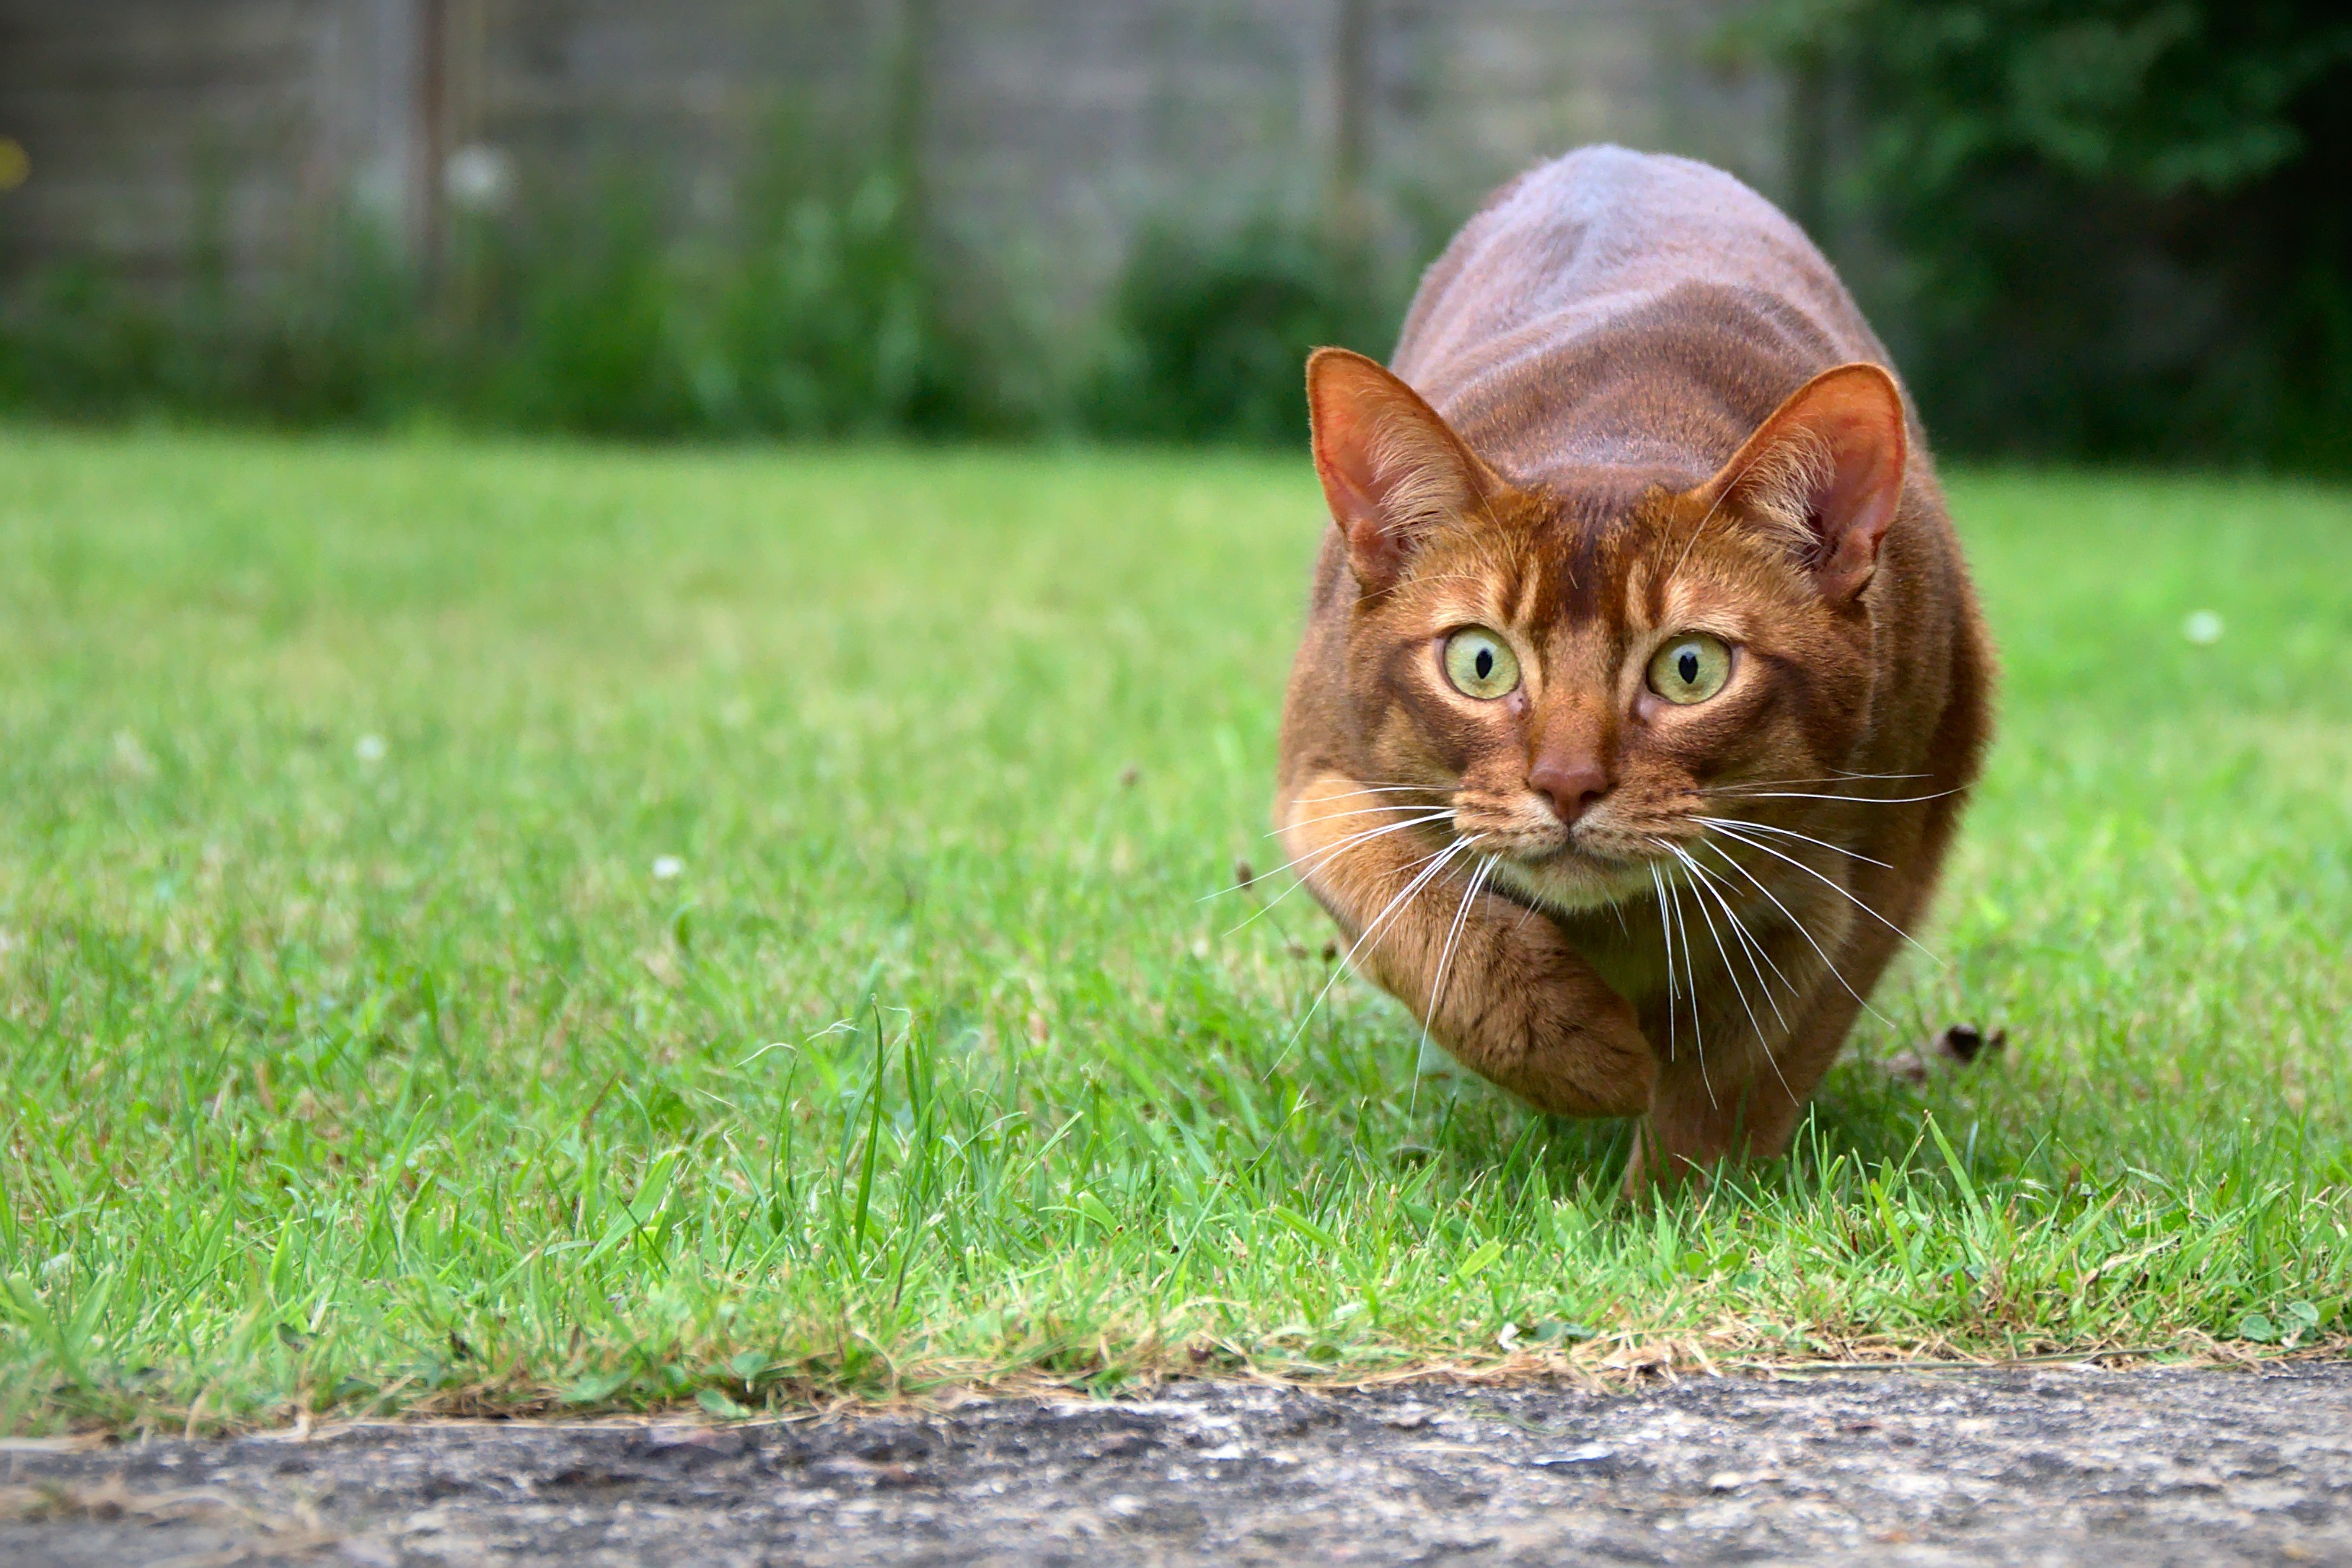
x: 1691, y: 669
x: 1480, y: 664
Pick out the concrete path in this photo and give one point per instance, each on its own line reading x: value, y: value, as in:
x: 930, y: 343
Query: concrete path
x: 2062, y: 1466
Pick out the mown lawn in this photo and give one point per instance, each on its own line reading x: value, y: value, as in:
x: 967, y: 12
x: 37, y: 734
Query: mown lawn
x: 540, y: 927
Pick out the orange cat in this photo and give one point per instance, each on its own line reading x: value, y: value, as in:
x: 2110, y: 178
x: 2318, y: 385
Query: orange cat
x: 1643, y: 682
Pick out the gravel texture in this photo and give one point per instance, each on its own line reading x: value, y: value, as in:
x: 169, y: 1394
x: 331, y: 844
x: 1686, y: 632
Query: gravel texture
x: 2058, y: 1466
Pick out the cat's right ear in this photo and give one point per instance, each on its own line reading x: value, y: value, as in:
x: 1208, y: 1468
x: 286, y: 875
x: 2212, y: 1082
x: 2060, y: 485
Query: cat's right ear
x: 1392, y: 468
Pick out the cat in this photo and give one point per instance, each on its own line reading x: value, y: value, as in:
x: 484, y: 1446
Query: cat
x: 1643, y: 682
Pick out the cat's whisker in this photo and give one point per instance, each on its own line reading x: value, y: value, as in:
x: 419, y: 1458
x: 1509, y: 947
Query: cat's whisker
x: 1750, y: 949
x: 1361, y: 836
x: 1690, y: 972
x: 1336, y: 815
x: 1736, y: 837
x: 1826, y: 778
x: 1827, y: 962
x: 1325, y: 852
x: 1791, y: 833
x: 1445, y: 957
x: 1698, y: 896
x: 1322, y: 857
x: 1841, y: 799
x: 1666, y: 934
x: 1431, y: 867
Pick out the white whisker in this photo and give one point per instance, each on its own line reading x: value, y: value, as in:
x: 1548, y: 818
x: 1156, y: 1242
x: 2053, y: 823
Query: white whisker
x: 1432, y: 866
x: 1709, y: 883
x: 1323, y: 854
x: 1446, y: 956
x: 1827, y: 962
x: 1690, y: 972
x: 1842, y: 892
x: 1321, y: 857
x: 1791, y: 833
x: 1841, y: 799
x: 1826, y: 778
x: 1704, y: 886
x: 1336, y: 815
x: 1666, y: 934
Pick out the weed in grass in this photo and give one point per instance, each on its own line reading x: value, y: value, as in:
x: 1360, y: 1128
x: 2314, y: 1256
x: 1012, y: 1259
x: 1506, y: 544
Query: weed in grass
x: 537, y: 928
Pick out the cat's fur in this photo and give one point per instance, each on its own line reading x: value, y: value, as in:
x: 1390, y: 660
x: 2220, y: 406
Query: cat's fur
x: 1632, y: 400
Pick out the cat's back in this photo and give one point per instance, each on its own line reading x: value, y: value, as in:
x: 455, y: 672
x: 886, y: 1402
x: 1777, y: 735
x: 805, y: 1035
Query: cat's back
x: 1625, y: 308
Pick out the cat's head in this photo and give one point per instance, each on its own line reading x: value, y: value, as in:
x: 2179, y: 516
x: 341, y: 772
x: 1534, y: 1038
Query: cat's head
x: 1576, y: 669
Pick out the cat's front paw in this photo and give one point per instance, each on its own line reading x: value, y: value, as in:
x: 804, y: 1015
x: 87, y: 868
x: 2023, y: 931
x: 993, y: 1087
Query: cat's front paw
x: 1553, y: 1032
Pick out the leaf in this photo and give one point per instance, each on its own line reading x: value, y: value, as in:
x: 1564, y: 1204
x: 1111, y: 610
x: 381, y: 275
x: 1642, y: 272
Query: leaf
x: 1551, y: 1330
x: 1479, y: 1262
x: 67, y: 1340
x: 596, y: 1388
x: 1952, y: 1164
x: 1296, y: 1221
x: 2258, y: 1328
x: 718, y: 1405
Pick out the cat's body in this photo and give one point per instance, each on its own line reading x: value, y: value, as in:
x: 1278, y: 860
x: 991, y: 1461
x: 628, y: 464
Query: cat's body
x: 1642, y: 681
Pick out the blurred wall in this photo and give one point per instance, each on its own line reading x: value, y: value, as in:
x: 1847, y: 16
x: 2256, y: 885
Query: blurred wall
x: 166, y: 135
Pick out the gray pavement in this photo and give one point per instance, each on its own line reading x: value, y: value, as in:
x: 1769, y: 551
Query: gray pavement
x: 2054, y: 1465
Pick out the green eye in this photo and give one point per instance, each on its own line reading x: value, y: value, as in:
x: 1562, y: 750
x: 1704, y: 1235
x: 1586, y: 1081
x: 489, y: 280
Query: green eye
x: 1691, y: 669
x: 1480, y: 664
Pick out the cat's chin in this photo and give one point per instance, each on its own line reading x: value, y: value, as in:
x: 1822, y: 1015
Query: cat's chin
x: 1570, y: 882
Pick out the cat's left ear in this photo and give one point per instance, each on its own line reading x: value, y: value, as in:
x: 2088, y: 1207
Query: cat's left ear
x: 1391, y: 468
x: 1826, y: 470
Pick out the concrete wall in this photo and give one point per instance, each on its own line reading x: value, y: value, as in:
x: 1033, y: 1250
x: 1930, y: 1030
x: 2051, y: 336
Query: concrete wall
x: 161, y: 131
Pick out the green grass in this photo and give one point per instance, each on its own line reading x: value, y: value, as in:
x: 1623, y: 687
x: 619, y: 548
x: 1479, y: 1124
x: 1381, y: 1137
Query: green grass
x: 357, y: 1056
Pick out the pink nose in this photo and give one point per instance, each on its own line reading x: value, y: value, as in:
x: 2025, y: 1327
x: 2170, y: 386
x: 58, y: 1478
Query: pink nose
x: 1570, y: 783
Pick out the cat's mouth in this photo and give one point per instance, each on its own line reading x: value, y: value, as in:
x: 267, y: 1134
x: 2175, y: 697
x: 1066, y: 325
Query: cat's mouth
x: 1588, y: 864
x: 1569, y: 872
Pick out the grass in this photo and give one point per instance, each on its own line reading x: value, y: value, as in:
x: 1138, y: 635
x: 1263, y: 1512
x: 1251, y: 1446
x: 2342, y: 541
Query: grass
x: 527, y: 928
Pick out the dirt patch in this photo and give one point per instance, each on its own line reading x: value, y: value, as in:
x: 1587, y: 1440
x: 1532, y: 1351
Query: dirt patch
x: 2054, y: 1465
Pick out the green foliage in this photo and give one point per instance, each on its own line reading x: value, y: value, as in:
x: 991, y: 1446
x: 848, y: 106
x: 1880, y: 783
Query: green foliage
x: 1213, y: 336
x: 2117, y: 224
x: 547, y: 927
x: 579, y: 320
x: 818, y: 315
x: 341, y: 338
x: 828, y: 323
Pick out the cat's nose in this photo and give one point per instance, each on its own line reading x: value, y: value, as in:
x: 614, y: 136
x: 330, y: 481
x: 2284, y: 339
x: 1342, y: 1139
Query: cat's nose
x: 1571, y: 783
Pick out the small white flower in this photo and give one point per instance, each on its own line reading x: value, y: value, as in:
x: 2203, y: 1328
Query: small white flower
x: 666, y: 867
x: 369, y: 748
x: 2202, y: 628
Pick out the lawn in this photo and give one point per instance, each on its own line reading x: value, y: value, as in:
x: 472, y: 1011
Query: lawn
x: 538, y: 928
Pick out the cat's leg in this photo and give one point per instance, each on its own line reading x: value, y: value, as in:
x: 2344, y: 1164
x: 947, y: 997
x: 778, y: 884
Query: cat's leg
x: 1744, y: 1096
x: 1515, y: 1004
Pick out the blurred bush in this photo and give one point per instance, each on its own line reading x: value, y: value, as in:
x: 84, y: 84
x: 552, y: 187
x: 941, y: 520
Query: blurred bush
x: 338, y: 341
x: 2112, y: 228
x: 1211, y: 338
x: 2102, y: 228
x: 818, y: 314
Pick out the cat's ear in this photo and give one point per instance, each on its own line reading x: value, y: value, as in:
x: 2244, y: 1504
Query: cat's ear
x: 1392, y: 468
x: 1826, y: 470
